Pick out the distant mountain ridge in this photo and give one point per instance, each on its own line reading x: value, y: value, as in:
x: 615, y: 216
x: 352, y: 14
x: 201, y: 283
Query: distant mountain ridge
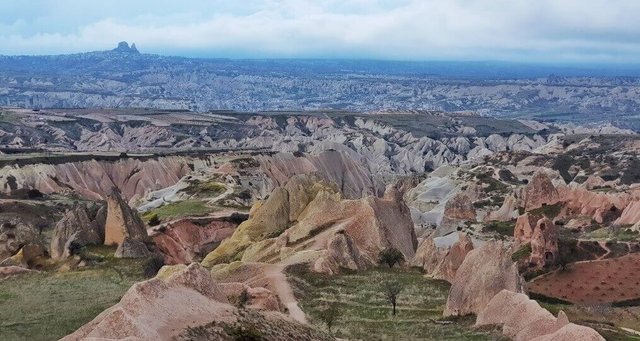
x: 125, y: 78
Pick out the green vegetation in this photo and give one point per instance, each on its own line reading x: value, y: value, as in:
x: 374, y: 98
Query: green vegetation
x: 154, y: 220
x: 48, y: 305
x: 549, y: 211
x: 504, y: 228
x: 522, y: 253
x: 390, y: 257
x: 252, y: 326
x: 622, y: 233
x: 205, y: 189
x: 562, y: 164
x: 365, y: 312
x: 179, y: 209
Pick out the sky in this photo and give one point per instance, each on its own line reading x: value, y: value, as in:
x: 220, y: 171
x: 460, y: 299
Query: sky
x: 550, y: 31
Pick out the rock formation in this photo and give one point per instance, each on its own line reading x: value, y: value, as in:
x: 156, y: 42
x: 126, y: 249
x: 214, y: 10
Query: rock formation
x: 483, y: 273
x: 458, y: 209
x: 12, y: 270
x: 183, y: 241
x: 83, y: 225
x: 132, y: 248
x: 442, y: 262
x: 122, y: 221
x: 15, y: 232
x: 307, y: 216
x: 159, y: 309
x: 540, y: 191
x: 523, y: 319
x: 542, y: 234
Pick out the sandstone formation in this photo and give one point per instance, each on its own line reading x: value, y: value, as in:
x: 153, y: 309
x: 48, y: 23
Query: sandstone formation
x: 132, y: 248
x: 122, y: 221
x: 542, y: 234
x: 540, y: 191
x: 507, y: 212
x: 523, y: 319
x: 337, y: 168
x: 83, y: 225
x: 159, y: 309
x: 442, y: 262
x: 184, y: 241
x: 94, y: 179
x: 484, y: 272
x: 458, y: 209
x: 304, y: 220
x: 15, y: 232
x: 258, y: 298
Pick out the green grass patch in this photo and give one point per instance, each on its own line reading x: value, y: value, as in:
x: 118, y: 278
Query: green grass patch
x: 205, y: 189
x: 550, y: 211
x: 187, y: 208
x: 50, y: 305
x: 365, y: 314
x: 522, y: 253
x: 504, y: 228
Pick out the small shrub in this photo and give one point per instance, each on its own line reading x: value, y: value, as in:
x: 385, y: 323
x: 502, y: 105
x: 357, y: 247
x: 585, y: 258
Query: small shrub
x: 522, y: 253
x: 329, y: 315
x: 243, y: 299
x: 154, y: 220
x: 152, y: 265
x: 243, y: 333
x: 390, y: 257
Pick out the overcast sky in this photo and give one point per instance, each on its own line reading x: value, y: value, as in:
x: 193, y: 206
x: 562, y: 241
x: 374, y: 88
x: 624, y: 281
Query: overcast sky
x: 512, y: 30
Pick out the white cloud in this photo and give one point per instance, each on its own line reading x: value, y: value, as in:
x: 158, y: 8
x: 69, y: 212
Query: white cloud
x: 597, y: 30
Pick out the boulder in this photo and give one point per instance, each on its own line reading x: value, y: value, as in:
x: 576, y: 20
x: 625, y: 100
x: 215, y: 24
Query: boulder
x: 484, y: 272
x: 83, y: 225
x: 572, y: 331
x: 131, y: 248
x: 122, y: 221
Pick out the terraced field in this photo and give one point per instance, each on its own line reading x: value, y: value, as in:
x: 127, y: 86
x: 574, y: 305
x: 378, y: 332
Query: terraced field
x: 358, y: 299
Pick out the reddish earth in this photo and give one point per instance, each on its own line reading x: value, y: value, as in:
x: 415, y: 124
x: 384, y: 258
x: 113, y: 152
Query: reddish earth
x: 593, y: 282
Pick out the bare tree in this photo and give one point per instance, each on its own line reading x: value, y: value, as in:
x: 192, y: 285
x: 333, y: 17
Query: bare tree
x: 329, y: 315
x: 392, y: 289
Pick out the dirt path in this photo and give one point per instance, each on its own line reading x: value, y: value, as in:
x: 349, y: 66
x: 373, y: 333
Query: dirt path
x: 281, y: 286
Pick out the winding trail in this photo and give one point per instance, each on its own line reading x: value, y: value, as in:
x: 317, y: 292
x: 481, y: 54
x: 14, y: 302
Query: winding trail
x: 281, y: 286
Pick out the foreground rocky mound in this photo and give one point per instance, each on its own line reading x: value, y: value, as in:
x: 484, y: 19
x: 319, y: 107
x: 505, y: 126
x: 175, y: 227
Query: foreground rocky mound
x: 523, y: 319
x: 308, y: 221
x: 83, y: 225
x: 187, y: 303
x: 484, y: 272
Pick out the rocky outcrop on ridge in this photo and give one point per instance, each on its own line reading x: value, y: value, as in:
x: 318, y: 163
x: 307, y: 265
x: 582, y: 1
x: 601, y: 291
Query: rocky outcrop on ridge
x: 307, y: 216
x: 122, y: 222
x: 523, y: 319
x: 83, y: 225
x: 484, y: 272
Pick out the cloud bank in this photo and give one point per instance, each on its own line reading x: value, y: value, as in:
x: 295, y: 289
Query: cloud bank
x: 512, y: 30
